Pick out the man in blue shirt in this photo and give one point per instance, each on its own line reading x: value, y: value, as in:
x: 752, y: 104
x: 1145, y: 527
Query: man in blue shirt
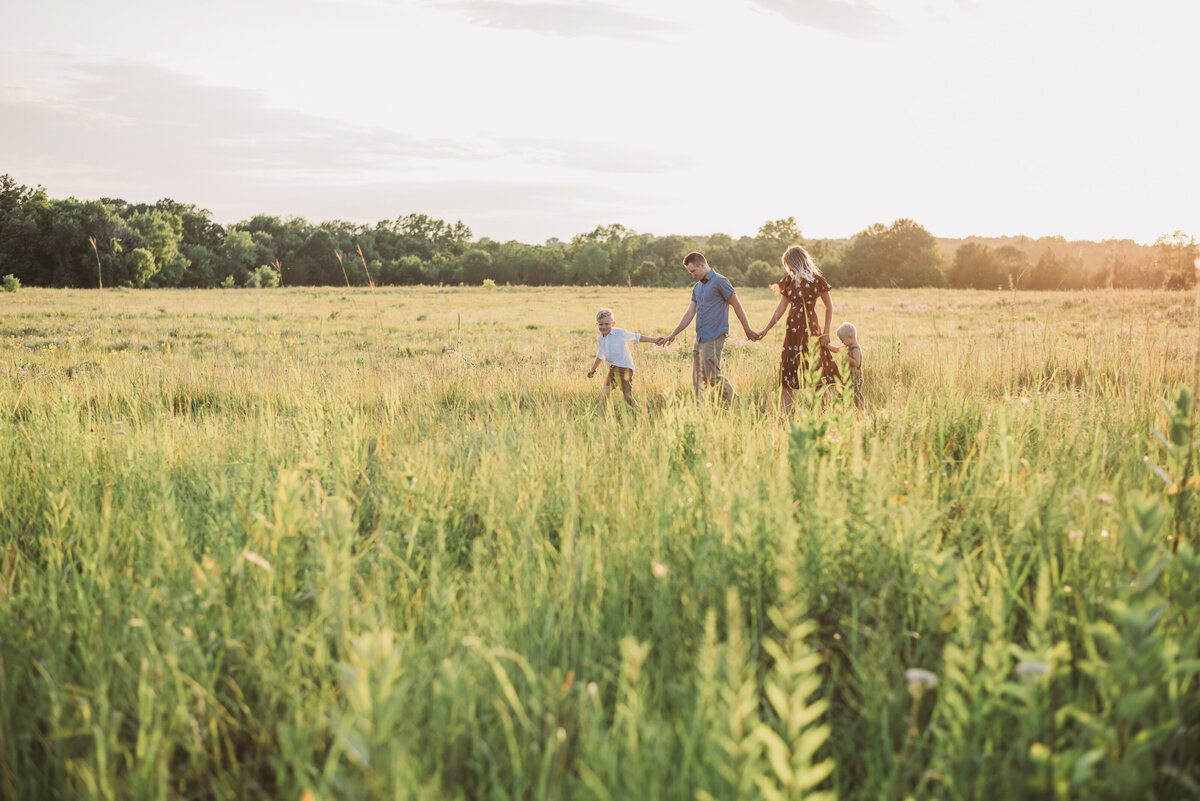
x: 711, y: 298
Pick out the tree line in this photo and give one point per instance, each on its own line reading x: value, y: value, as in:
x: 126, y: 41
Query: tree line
x: 110, y: 242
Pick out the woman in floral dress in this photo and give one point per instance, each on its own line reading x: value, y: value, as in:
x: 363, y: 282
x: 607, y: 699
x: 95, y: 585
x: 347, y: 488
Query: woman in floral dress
x: 798, y: 292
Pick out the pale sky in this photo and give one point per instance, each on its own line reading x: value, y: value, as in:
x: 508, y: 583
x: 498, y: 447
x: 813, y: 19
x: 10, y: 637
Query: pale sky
x: 530, y: 120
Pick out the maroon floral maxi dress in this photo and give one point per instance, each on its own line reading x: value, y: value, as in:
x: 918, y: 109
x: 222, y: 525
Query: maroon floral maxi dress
x: 802, y: 322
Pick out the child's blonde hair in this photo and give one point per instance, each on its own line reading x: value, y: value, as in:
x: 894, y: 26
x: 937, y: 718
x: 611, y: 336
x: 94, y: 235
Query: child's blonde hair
x: 600, y: 315
x: 847, y: 330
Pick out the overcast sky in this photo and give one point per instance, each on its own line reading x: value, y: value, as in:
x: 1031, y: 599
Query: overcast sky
x: 530, y: 120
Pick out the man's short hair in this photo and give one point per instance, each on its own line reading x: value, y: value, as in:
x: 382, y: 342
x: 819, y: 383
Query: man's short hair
x: 600, y: 315
x: 694, y: 257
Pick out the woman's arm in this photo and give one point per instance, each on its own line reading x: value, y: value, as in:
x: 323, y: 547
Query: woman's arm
x: 828, y: 316
x: 780, y: 308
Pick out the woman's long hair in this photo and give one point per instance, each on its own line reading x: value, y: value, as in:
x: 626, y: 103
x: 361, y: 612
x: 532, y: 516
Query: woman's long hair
x: 799, y: 263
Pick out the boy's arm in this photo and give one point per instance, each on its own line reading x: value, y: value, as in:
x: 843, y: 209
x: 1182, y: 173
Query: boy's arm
x: 683, y: 323
x: 741, y: 315
x: 651, y: 340
x: 595, y: 364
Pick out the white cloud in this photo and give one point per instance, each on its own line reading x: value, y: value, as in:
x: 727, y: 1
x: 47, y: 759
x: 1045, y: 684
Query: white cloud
x: 857, y: 19
x: 561, y: 19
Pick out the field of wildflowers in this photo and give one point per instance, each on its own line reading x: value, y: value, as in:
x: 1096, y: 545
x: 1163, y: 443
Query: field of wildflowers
x: 318, y: 544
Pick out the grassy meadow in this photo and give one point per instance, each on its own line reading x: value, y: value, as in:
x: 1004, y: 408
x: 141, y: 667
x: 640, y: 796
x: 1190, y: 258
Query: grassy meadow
x: 343, y: 544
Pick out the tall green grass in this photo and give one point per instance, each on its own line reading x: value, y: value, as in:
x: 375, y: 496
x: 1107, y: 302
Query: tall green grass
x: 264, y: 544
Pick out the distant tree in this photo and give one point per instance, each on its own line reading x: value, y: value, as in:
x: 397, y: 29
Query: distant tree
x: 314, y: 263
x: 476, y: 266
x: 138, y: 267
x: 196, y: 225
x: 405, y: 271
x: 646, y: 273
x: 549, y: 266
x: 1179, y: 259
x: 1012, y: 265
x: 903, y: 254
x: 723, y: 259
x: 619, y: 244
x: 21, y: 239
x: 590, y: 264
x: 203, y: 264
x: 761, y: 273
x: 781, y: 233
x: 669, y: 251
x: 975, y: 267
x: 1046, y: 273
x: 238, y: 254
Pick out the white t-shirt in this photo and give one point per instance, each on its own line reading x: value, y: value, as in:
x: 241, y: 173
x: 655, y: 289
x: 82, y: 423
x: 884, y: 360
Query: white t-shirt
x: 614, y: 348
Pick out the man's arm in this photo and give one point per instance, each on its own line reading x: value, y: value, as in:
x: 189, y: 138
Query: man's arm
x: 684, y: 322
x: 741, y: 315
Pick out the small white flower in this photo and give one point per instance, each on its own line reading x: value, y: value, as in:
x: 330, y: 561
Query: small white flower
x: 659, y: 569
x: 1032, y: 670
x: 919, y: 679
x: 1075, y: 535
x: 592, y: 688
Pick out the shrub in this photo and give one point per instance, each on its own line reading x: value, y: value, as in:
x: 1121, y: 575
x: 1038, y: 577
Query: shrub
x: 264, y: 276
x: 11, y: 283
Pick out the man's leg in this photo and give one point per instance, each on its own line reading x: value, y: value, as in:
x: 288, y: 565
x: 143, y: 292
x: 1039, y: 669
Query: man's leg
x: 697, y: 377
x: 710, y: 364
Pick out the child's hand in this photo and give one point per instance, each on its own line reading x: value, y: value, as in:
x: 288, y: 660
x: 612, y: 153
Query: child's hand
x: 591, y: 373
x: 660, y: 340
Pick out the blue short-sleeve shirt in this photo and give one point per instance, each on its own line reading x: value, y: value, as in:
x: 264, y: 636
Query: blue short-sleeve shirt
x: 712, y: 294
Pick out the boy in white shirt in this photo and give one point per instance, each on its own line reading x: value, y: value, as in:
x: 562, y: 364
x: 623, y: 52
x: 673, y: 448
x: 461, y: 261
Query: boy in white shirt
x: 613, y: 347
